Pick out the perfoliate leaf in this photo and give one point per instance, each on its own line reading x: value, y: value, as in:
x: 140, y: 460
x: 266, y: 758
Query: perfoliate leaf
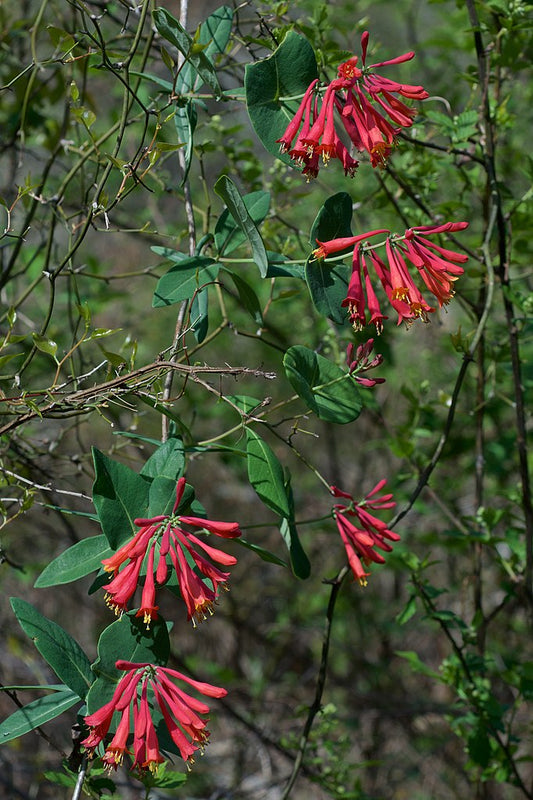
x: 327, y: 390
x: 275, y: 86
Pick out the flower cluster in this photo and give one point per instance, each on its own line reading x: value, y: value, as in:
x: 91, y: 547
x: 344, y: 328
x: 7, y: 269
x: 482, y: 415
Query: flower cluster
x: 167, y: 544
x: 368, y: 107
x: 362, y: 363
x: 361, y: 539
x: 138, y: 692
x: 437, y: 267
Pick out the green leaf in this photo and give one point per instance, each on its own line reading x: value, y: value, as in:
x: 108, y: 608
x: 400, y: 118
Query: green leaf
x: 214, y: 34
x: 76, y: 562
x: 266, y: 474
x: 182, y: 281
x: 299, y: 562
x: 334, y: 220
x: 226, y: 189
x: 327, y: 390
x: 270, y: 83
x: 127, y: 639
x: 185, y: 120
x: 119, y: 496
x: 229, y: 233
x: 36, y: 714
x: 200, y: 315
x: 171, y: 30
x: 57, y: 647
x: 162, y: 496
x: 167, y: 461
x: 45, y: 345
x: 264, y: 555
x: 246, y: 403
x: 407, y: 612
x: 328, y: 287
x: 279, y: 266
x: 247, y: 296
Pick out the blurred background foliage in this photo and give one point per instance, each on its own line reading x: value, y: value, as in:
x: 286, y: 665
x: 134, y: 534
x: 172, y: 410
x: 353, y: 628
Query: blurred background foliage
x: 430, y: 677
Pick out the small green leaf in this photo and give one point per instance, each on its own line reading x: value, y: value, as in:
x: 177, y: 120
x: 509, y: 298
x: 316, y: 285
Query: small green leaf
x: 57, y: 647
x: 36, y: 714
x: 226, y: 189
x: 171, y: 30
x: 79, y: 560
x: 45, y: 345
x: 199, y: 315
x: 214, y: 35
x: 182, y: 281
x: 185, y: 120
x: 272, y: 84
x: 266, y: 474
x: 327, y: 390
x: 300, y: 564
x: 264, y: 555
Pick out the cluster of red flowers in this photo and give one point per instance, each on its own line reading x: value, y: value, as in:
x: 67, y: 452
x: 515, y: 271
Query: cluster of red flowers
x: 361, y: 363
x: 361, y: 539
x: 165, y: 538
x: 437, y: 266
x: 360, y: 97
x: 136, y: 691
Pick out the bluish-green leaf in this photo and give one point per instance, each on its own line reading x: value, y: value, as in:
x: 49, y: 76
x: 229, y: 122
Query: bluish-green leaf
x: 119, y: 496
x: 185, y: 123
x: 36, y: 714
x: 270, y: 83
x: 57, y: 647
x: 327, y: 390
x: 226, y: 189
x: 79, y: 560
x: 266, y: 474
x: 171, y: 30
x: 183, y: 280
x: 200, y: 315
x: 229, y: 232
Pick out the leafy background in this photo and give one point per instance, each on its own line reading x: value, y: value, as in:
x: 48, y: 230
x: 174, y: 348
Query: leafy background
x: 398, y: 718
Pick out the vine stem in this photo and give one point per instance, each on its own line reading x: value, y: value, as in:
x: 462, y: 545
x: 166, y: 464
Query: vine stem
x: 336, y: 584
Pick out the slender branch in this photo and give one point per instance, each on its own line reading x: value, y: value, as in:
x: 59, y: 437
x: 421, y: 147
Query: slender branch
x: 336, y: 584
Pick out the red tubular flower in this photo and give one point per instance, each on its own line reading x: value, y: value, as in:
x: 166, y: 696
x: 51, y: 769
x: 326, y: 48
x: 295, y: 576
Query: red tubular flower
x: 326, y: 249
x: 164, y: 538
x: 361, y: 540
x: 367, y: 105
x: 138, y: 689
x: 362, y: 363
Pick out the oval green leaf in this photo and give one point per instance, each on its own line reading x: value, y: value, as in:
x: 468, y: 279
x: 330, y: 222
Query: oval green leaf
x: 36, y: 714
x: 266, y: 474
x: 79, y: 560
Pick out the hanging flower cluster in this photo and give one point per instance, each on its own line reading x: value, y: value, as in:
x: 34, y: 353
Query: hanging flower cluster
x: 437, y: 266
x: 142, y: 688
x: 369, y: 110
x: 167, y: 544
x: 360, y: 538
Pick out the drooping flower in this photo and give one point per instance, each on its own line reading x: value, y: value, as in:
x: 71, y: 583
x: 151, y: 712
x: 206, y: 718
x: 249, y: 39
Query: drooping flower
x: 163, y: 542
x: 362, y: 532
x: 437, y: 266
x: 141, y: 689
x: 368, y: 107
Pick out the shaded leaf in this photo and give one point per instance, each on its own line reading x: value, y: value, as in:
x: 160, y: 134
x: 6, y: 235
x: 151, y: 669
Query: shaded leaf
x: 226, y: 189
x: 229, y: 233
x: 327, y: 390
x: 36, y: 714
x: 57, y: 647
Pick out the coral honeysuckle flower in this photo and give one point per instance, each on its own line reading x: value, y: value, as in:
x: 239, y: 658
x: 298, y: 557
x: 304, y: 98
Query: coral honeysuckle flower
x: 361, y: 538
x: 165, y: 543
x: 142, y: 688
x: 362, y: 363
x: 437, y: 266
x: 366, y: 103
